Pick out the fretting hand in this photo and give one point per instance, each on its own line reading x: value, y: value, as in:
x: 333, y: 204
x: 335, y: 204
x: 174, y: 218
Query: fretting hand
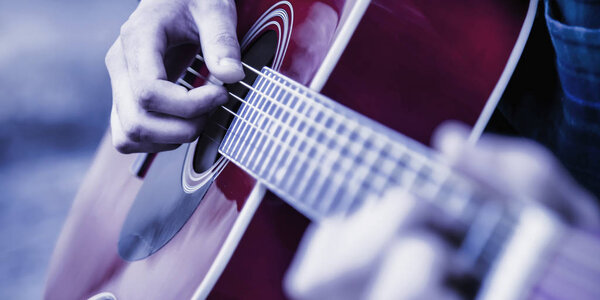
x: 149, y: 112
x: 386, y: 250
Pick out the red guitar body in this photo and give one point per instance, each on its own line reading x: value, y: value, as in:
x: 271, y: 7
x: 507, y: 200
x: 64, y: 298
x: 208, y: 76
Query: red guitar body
x: 409, y: 65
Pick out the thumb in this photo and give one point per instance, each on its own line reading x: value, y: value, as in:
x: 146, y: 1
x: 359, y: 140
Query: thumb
x: 216, y: 21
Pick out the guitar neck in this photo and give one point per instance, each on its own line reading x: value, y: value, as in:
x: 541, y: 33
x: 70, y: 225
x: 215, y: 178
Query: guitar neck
x: 325, y: 159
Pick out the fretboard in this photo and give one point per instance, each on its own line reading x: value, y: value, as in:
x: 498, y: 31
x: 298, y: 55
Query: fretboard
x: 325, y: 159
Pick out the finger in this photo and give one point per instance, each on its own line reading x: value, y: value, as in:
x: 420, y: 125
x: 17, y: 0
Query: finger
x: 413, y: 267
x: 144, y: 44
x: 348, y: 246
x: 162, y: 97
x: 143, y: 48
x: 138, y: 125
x: 126, y: 146
x: 217, y: 22
x: 518, y: 168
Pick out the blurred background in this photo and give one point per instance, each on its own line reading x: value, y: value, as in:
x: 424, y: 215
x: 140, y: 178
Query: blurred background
x: 55, y: 103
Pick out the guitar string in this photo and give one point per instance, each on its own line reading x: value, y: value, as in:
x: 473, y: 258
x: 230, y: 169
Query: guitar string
x: 299, y: 96
x: 426, y: 162
x: 325, y: 130
x: 438, y: 184
x: 254, y: 109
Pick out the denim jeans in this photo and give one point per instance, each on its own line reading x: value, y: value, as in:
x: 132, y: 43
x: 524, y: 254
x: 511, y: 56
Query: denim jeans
x: 574, y: 27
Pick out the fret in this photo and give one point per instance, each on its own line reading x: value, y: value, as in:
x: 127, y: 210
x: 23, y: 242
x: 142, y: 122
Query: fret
x: 342, y: 164
x: 329, y: 120
x: 273, y: 127
x: 290, y: 134
x: 334, y: 161
x: 317, y: 179
x: 277, y: 172
x: 352, y: 170
x: 319, y: 156
x: 256, y: 117
x: 364, y: 159
x: 280, y: 133
x: 228, y: 145
x: 261, y: 120
x: 248, y: 112
x: 298, y: 144
x: 308, y: 145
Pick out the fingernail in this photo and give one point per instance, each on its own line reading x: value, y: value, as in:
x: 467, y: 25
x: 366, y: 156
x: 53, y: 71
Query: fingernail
x: 231, y: 63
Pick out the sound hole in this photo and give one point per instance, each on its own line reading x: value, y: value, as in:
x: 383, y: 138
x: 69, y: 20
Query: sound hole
x: 259, y: 54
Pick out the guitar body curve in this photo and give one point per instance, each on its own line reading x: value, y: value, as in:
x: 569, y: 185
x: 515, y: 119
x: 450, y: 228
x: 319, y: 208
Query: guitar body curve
x: 409, y: 65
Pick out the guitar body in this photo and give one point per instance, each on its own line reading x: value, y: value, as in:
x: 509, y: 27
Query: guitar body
x: 409, y: 65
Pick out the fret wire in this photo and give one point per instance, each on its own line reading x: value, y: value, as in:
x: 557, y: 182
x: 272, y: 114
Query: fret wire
x: 237, y: 125
x: 287, y: 136
x: 337, y: 180
x: 278, y: 171
x: 265, y: 123
x: 291, y: 164
x: 312, y: 145
x: 276, y: 133
x: 320, y: 157
x: 268, y: 123
x: 255, y: 116
x: 343, y: 168
x: 247, y: 112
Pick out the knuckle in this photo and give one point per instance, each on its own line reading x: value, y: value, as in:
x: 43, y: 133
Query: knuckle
x: 123, y: 146
x: 133, y: 132
x: 145, y: 98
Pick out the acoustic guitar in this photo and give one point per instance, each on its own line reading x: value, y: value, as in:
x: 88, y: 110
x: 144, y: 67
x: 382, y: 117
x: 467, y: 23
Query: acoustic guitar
x: 222, y: 217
